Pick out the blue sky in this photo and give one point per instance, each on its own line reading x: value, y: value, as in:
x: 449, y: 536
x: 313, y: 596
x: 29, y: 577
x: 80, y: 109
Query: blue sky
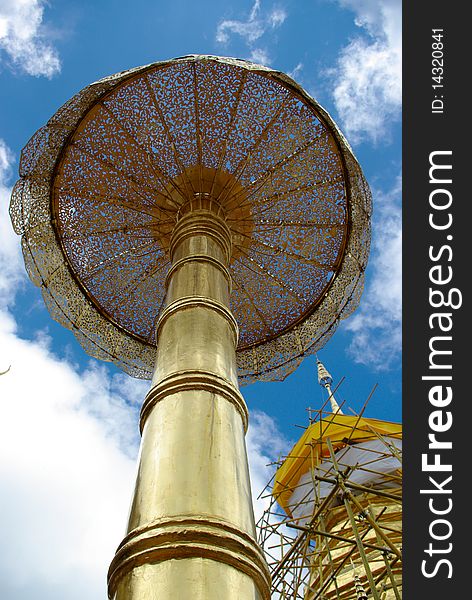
x: 68, y: 424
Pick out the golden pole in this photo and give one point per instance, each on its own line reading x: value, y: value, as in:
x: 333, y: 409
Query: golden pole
x: 191, y: 531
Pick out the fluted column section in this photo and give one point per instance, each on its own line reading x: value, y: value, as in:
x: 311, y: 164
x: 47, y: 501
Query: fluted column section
x: 191, y: 531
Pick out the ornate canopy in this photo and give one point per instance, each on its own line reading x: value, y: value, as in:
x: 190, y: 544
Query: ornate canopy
x: 103, y: 181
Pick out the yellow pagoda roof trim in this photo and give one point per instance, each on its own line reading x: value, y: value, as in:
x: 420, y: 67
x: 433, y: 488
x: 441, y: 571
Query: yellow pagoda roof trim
x: 340, y: 429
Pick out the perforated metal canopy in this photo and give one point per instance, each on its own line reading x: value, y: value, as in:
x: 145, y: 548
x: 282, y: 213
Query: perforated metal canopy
x: 102, y: 182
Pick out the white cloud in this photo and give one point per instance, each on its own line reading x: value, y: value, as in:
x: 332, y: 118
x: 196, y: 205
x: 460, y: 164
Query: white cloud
x: 67, y: 454
x: 376, y: 326
x: 252, y: 29
x: 68, y: 446
x: 265, y: 444
x: 367, y: 77
x: 23, y: 38
x: 67, y: 469
x: 11, y: 262
x: 295, y: 72
x: 260, y: 56
x: 66, y: 478
x: 277, y: 17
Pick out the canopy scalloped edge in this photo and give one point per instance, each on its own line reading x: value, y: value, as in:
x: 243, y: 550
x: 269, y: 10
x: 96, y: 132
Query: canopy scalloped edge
x: 48, y: 269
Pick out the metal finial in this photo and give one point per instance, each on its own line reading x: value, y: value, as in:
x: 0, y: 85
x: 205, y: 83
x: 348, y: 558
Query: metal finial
x: 324, y: 377
x: 325, y: 380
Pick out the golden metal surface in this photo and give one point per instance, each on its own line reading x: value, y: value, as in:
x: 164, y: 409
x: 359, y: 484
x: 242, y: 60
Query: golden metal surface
x: 104, y: 182
x: 191, y: 530
x: 174, y: 578
x: 185, y: 539
x: 159, y: 209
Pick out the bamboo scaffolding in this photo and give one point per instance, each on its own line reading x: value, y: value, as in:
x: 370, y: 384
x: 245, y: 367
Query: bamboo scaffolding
x: 333, y: 547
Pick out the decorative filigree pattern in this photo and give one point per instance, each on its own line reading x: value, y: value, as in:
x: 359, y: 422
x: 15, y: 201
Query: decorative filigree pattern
x: 102, y: 182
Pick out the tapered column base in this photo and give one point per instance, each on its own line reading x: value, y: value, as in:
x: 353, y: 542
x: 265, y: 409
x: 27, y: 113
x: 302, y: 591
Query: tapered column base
x: 189, y: 541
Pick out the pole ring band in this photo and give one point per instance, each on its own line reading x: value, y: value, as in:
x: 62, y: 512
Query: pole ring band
x: 188, y: 380
x: 202, y: 223
x: 198, y: 302
x: 190, y: 537
x: 198, y: 258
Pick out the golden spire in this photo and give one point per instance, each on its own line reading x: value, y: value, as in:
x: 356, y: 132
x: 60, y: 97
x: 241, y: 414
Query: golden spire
x: 325, y: 380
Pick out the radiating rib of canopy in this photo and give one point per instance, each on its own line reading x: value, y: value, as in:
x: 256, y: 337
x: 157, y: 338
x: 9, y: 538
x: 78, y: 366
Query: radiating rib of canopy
x: 128, y: 152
